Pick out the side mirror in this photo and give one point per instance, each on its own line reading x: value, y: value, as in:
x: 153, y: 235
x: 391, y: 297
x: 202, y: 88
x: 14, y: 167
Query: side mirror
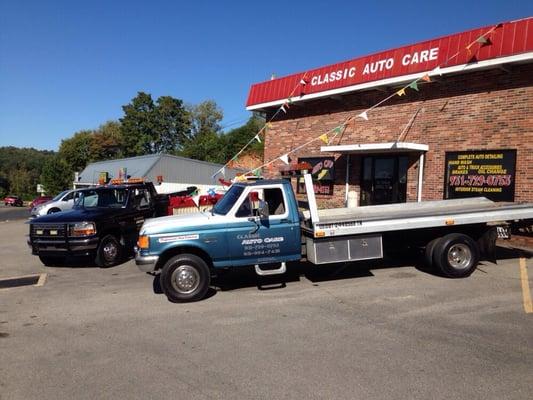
x: 263, y: 209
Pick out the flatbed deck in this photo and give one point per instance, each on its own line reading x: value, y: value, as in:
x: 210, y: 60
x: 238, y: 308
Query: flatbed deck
x: 428, y: 214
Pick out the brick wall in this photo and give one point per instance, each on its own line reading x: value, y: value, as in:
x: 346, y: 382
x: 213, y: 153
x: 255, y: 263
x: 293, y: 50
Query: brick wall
x: 490, y: 109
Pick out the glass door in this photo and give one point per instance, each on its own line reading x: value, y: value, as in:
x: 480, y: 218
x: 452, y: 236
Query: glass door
x: 384, y: 180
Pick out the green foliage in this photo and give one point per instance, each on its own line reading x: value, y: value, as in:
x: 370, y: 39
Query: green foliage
x: 20, y: 169
x: 56, y: 175
x: 204, y: 142
x: 76, y: 150
x: 236, y: 139
x: 152, y: 128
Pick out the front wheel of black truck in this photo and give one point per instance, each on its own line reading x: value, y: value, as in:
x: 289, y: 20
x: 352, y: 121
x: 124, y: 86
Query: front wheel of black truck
x: 185, y: 278
x: 109, y: 251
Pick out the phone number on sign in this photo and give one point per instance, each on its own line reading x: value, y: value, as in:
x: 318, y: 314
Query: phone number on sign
x: 480, y: 180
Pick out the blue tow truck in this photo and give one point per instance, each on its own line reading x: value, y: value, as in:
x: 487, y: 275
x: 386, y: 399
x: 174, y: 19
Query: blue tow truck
x: 261, y: 223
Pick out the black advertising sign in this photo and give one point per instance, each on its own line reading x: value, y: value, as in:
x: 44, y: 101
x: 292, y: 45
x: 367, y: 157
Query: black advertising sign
x: 323, y: 172
x: 487, y: 173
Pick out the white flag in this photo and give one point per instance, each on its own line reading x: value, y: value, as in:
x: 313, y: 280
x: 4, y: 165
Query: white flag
x: 437, y: 71
x: 285, y: 158
x: 363, y: 115
x: 257, y: 138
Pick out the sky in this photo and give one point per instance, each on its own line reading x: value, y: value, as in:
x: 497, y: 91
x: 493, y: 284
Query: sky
x: 67, y: 66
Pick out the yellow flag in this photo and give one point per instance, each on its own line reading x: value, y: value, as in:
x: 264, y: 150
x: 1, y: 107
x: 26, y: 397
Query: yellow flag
x: 324, y: 138
x: 401, y: 92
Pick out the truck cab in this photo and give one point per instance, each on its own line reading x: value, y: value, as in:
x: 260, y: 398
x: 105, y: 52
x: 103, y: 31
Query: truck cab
x: 255, y: 223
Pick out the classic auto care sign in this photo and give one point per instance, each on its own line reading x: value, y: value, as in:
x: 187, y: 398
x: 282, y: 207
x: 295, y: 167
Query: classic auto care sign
x: 487, y: 173
x: 508, y: 39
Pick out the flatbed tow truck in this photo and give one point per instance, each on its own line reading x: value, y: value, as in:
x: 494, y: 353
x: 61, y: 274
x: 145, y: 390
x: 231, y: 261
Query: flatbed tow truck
x: 260, y: 224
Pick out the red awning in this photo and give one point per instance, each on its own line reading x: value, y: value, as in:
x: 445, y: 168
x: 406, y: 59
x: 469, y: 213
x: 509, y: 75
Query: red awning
x: 505, y: 43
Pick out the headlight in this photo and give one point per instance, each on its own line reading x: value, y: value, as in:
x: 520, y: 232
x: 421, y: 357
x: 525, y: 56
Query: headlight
x: 82, y: 229
x: 143, y: 242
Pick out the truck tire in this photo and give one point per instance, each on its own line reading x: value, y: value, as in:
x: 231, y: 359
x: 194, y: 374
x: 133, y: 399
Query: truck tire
x: 428, y: 252
x: 50, y: 261
x: 456, y: 255
x: 185, y: 278
x: 109, y: 251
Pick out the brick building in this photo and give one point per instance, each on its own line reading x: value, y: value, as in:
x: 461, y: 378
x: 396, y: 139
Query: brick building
x: 464, y: 128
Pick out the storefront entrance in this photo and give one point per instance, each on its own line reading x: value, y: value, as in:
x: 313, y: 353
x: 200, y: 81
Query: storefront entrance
x: 383, y: 179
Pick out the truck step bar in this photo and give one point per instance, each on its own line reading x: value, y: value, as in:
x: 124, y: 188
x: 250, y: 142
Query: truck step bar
x: 265, y: 272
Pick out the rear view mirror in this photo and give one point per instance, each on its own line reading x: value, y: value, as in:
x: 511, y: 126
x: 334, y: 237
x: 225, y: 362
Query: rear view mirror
x: 263, y: 209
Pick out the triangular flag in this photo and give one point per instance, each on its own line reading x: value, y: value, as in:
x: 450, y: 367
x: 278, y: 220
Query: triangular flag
x: 211, y: 192
x: 468, y: 49
x: 282, y: 108
x: 338, y: 129
x: 234, y: 158
x: 269, y: 125
x: 324, y: 138
x: 196, y: 199
x: 257, y: 172
x: 303, y: 82
x: 413, y: 85
x: 401, y: 92
x: 426, y: 78
x: 285, y: 158
x: 257, y: 138
x: 289, y: 100
x: 482, y: 39
x: 437, y: 70
x: 363, y: 115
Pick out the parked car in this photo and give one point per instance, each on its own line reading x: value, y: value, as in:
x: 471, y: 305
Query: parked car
x: 14, y: 201
x: 39, y: 200
x: 62, y: 202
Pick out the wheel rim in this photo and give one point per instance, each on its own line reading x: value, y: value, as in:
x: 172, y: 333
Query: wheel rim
x: 185, y: 279
x: 110, y: 251
x: 459, y: 256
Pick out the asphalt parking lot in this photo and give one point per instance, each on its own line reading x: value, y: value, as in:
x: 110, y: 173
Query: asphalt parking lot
x: 348, y: 332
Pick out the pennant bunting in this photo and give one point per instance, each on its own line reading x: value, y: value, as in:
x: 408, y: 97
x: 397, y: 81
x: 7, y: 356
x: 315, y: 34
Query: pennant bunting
x: 257, y: 138
x: 303, y: 82
x: 282, y: 108
x: 257, y: 172
x: 426, y: 78
x: 363, y: 115
x: 285, y: 158
x: 324, y: 138
x: 437, y: 70
x: 338, y: 129
x: 269, y: 125
x: 234, y: 158
x: 289, y: 100
x: 211, y: 192
x: 482, y: 40
x: 401, y: 92
x: 413, y: 85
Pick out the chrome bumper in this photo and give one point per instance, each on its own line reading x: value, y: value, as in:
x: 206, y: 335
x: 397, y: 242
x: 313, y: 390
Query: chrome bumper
x: 145, y: 263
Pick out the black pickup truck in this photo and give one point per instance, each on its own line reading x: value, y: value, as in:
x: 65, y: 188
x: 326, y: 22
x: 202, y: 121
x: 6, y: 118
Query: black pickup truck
x: 104, y: 224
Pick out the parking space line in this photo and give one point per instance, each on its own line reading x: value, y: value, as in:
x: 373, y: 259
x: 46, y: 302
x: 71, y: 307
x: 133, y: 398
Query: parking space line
x: 42, y: 280
x: 526, y: 292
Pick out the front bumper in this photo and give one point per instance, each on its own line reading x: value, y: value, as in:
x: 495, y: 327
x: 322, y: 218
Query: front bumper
x: 69, y: 247
x: 146, y: 263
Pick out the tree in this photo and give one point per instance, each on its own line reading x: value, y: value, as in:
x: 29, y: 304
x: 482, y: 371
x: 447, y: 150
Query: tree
x: 237, y: 138
x: 204, y: 141
x: 106, y: 142
x: 56, y: 175
x: 76, y: 150
x: 152, y: 128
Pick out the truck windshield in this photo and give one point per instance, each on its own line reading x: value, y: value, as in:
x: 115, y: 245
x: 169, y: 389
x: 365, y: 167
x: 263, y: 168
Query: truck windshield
x: 229, y: 199
x: 109, y: 198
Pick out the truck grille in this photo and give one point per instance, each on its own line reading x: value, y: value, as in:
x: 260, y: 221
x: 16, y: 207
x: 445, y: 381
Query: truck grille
x: 48, y: 231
